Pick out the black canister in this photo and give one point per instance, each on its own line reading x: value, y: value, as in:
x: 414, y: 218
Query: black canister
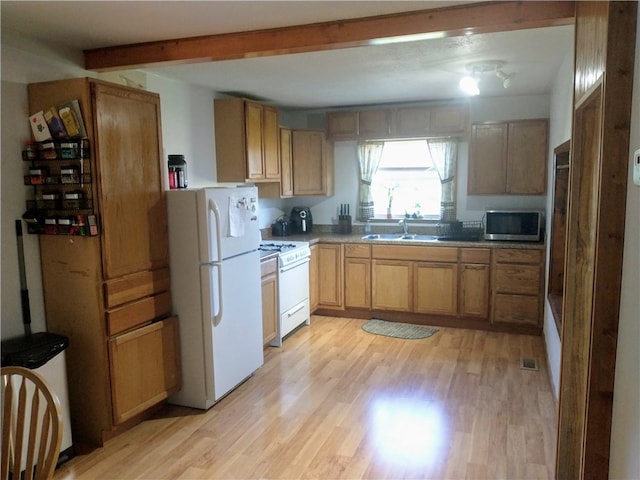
x: 177, y: 171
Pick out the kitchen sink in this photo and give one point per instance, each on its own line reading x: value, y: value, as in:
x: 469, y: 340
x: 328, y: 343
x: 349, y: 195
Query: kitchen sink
x: 419, y: 238
x: 382, y: 236
x: 398, y: 236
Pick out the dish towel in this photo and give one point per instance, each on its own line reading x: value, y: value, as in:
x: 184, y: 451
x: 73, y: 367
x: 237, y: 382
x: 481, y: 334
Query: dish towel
x: 238, y: 216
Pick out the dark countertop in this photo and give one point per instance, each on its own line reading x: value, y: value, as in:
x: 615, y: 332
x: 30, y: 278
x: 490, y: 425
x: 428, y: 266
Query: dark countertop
x: 325, y: 237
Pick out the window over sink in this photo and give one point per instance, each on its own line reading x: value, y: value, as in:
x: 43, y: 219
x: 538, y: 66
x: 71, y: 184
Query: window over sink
x: 410, y: 178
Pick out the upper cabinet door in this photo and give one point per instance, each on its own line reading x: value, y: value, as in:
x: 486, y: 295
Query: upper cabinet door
x: 342, y: 125
x: 254, y: 128
x: 271, y: 143
x: 487, y: 159
x: 133, y: 212
x: 374, y: 123
x: 449, y: 119
x: 527, y: 157
x: 412, y: 121
x: 311, y: 170
x: 286, y: 180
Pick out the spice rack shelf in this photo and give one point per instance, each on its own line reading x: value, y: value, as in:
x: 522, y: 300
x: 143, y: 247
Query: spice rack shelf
x: 60, y: 173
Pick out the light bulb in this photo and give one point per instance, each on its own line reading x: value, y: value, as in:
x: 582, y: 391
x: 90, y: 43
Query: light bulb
x: 469, y: 85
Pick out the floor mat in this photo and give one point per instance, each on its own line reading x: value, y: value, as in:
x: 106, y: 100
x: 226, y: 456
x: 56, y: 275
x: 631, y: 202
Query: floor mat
x: 397, y: 330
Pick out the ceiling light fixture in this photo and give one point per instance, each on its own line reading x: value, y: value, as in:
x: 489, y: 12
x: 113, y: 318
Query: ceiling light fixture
x: 469, y: 83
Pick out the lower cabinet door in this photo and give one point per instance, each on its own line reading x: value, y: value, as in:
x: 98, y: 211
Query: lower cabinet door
x: 357, y: 283
x: 269, y: 307
x: 392, y: 285
x: 435, y: 288
x: 145, y: 368
x: 474, y: 290
x: 517, y: 309
x: 330, y: 276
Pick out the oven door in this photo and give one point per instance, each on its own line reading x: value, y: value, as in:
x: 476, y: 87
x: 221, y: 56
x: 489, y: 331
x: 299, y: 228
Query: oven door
x: 293, y: 285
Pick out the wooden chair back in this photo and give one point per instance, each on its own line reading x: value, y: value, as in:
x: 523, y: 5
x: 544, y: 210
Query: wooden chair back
x: 31, y: 426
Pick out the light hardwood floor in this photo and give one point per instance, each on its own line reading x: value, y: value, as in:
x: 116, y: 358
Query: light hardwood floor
x: 337, y: 402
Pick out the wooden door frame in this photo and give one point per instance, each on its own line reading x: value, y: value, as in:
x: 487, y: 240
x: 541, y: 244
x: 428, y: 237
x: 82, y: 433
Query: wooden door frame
x: 604, y: 42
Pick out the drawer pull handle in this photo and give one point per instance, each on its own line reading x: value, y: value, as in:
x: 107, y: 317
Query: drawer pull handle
x: 291, y: 314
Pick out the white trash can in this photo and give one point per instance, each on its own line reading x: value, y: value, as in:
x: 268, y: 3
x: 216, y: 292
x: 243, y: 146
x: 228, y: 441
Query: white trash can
x: 43, y: 353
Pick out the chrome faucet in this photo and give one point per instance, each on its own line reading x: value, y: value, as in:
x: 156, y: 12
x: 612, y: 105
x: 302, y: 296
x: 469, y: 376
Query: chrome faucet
x: 405, y: 226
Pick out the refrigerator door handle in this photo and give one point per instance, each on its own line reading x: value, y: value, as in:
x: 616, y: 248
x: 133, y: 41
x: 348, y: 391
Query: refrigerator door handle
x: 218, y: 316
x: 216, y: 215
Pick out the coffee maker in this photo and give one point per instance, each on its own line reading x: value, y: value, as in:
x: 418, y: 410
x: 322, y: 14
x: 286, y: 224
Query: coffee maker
x: 301, y: 220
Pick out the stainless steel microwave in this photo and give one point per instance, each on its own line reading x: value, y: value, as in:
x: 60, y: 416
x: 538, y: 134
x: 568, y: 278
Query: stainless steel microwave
x: 513, y: 225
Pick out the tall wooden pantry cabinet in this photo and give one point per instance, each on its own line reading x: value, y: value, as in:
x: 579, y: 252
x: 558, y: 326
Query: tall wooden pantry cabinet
x: 110, y: 293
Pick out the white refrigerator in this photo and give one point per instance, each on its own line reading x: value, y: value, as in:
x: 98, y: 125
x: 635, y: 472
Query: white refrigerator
x: 215, y: 288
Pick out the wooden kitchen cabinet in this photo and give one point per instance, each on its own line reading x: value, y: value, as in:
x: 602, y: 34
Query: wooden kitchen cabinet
x: 416, y: 121
x: 475, y: 278
x: 286, y: 163
x: 421, y: 279
x: 314, y: 290
x: 269, y: 276
x: 487, y: 159
x: 330, y: 259
x: 247, y: 141
x: 517, y: 286
x: 508, y: 158
x: 457, y: 285
x: 449, y: 120
x: 144, y: 368
x: 392, y: 285
x: 358, y: 124
x: 113, y: 289
x: 431, y: 120
x: 357, y: 276
x: 435, y: 281
x: 342, y: 125
x: 312, y: 159
x: 411, y: 121
x: 435, y: 288
x: 374, y: 123
x: 132, y: 208
x: 527, y: 150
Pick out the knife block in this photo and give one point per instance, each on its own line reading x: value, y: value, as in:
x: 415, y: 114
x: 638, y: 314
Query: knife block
x: 344, y: 224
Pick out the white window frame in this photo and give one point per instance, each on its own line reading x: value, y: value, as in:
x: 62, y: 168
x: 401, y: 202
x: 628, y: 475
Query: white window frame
x: 381, y: 206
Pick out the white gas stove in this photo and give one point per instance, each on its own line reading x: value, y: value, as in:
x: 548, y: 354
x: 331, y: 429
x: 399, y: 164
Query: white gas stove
x: 288, y: 252
x: 293, y: 284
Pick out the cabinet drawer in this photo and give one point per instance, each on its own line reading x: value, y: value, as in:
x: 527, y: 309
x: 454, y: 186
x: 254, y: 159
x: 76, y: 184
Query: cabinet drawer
x: 430, y: 254
x: 475, y: 255
x: 132, y: 287
x: 522, y: 279
x: 138, y: 313
x: 516, y: 309
x: 512, y: 255
x: 357, y: 250
x: 268, y: 266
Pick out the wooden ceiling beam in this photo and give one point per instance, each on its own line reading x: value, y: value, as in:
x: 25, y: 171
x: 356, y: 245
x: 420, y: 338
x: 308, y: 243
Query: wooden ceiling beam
x: 451, y: 21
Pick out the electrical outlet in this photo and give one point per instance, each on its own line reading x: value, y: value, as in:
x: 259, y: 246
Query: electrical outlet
x: 636, y: 167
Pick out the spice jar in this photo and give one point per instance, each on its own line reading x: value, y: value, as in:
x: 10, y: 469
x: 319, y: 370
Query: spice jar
x: 32, y: 150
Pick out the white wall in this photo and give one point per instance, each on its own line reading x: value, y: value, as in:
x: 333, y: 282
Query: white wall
x: 20, y: 65
x: 559, y: 132
x: 187, y: 128
x: 14, y: 194
x: 625, y: 428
